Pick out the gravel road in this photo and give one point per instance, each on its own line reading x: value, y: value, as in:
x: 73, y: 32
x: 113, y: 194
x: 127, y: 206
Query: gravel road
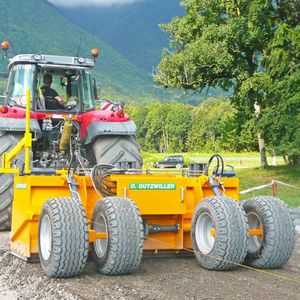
x: 157, y: 278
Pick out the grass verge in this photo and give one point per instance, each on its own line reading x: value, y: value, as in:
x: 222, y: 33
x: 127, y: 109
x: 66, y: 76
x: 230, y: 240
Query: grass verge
x: 252, y: 177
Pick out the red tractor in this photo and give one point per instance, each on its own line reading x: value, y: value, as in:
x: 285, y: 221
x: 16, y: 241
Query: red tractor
x: 65, y: 123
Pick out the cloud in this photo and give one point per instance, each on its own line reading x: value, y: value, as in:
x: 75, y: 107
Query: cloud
x: 72, y: 3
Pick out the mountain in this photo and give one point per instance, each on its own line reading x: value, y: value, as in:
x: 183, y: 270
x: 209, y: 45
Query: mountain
x: 132, y: 29
x: 36, y: 26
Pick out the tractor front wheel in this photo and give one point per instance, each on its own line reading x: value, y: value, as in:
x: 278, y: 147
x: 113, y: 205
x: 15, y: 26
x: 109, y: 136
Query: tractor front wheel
x: 120, y: 252
x: 274, y: 242
x: 219, y: 233
x: 63, y: 237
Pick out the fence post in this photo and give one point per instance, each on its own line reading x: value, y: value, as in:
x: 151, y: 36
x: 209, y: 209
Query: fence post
x: 274, y: 188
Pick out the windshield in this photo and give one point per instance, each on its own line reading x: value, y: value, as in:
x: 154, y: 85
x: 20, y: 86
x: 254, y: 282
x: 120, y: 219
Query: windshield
x: 21, y: 79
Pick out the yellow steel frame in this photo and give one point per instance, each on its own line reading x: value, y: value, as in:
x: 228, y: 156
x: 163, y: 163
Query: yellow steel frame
x: 25, y: 143
x: 163, y: 207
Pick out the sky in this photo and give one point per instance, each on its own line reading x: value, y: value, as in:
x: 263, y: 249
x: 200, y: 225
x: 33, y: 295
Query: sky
x: 73, y: 3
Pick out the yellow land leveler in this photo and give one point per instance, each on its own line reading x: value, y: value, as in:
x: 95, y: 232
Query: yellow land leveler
x: 115, y: 215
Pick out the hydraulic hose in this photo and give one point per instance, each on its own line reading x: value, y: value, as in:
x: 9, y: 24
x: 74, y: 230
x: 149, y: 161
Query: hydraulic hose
x: 220, y: 161
x: 216, y: 173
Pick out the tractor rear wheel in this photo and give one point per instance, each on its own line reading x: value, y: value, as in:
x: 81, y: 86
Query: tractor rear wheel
x: 7, y: 141
x: 118, y: 149
x: 63, y: 237
x: 274, y: 247
x: 121, y: 251
x: 219, y: 233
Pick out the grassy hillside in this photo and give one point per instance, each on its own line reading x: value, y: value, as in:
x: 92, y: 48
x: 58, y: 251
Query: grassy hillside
x: 36, y: 26
x: 131, y: 29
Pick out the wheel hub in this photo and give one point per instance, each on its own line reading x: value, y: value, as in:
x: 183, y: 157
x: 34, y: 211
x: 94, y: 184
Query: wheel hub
x: 255, y: 241
x: 100, y: 245
x: 45, y: 237
x: 205, y: 233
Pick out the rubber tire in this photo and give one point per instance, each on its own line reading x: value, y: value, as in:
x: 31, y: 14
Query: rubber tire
x: 7, y: 141
x: 125, y: 236
x: 113, y: 149
x: 70, y: 238
x: 231, y: 230
x: 278, y: 232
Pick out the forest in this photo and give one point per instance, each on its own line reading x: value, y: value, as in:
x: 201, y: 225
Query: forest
x: 176, y: 127
x: 249, y: 47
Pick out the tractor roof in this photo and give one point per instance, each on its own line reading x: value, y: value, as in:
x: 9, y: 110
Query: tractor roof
x: 53, y: 60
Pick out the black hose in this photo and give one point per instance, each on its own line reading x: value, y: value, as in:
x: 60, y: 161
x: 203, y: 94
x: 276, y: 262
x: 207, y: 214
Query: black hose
x: 217, y: 172
x: 220, y: 161
x: 101, y: 179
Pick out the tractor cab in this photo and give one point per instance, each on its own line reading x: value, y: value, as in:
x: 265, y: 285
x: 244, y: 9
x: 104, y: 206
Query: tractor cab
x: 71, y: 80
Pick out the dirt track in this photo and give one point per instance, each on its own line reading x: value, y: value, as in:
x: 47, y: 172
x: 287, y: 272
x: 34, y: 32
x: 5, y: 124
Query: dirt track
x: 157, y: 278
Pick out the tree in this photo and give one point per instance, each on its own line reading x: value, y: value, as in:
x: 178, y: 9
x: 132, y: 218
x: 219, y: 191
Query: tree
x: 282, y: 64
x: 156, y: 138
x: 224, y: 44
x: 209, y: 122
x: 177, y: 126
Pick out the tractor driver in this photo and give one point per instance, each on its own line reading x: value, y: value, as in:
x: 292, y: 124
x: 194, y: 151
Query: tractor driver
x: 52, y: 99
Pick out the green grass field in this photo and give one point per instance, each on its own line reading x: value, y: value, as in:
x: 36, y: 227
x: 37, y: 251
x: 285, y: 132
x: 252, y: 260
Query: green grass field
x: 238, y: 160
x: 252, y: 177
x: 249, y: 172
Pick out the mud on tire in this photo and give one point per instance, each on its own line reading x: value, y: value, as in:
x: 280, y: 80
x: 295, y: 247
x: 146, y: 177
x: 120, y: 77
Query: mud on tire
x: 219, y: 233
x: 122, y: 251
x: 113, y: 150
x: 7, y: 142
x: 63, y: 237
x: 276, y: 245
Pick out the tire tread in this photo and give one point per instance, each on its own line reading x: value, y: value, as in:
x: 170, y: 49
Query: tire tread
x: 231, y: 233
x: 278, y: 229
x: 70, y: 237
x: 125, y: 233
